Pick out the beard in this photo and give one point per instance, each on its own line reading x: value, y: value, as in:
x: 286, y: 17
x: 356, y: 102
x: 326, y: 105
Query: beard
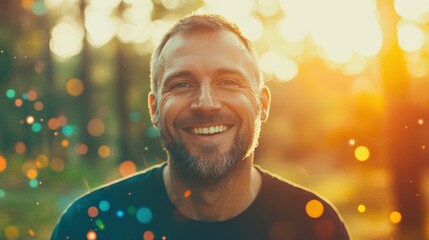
x: 210, y: 167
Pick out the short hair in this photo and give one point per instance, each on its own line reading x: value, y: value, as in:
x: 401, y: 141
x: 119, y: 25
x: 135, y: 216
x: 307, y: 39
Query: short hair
x: 198, y: 23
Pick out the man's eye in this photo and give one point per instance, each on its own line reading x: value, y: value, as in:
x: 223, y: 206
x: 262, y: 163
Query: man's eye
x: 229, y: 82
x: 181, y: 85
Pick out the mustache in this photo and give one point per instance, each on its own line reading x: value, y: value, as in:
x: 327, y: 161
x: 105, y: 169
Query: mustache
x: 199, y: 119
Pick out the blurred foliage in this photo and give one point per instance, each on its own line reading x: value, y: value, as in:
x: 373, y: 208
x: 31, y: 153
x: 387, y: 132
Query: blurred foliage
x: 73, y: 105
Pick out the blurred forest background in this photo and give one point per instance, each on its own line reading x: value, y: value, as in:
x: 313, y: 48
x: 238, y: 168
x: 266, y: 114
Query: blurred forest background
x: 349, y: 119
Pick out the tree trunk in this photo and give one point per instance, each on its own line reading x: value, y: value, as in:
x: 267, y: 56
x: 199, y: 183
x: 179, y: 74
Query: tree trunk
x: 400, y: 130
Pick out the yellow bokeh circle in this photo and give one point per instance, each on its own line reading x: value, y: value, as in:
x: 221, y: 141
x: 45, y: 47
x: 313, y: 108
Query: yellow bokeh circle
x: 362, y: 153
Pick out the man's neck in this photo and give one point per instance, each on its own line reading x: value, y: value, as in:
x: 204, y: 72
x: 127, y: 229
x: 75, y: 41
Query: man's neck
x: 219, y: 203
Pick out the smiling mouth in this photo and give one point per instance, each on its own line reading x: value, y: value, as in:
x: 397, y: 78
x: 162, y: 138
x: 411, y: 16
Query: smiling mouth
x: 208, y: 130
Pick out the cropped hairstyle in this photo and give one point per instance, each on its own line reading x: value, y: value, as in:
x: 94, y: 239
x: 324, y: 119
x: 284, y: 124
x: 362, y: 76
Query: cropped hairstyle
x: 199, y: 23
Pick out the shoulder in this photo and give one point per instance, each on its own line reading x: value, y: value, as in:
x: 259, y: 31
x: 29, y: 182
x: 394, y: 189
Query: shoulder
x: 284, y: 189
x: 122, y: 188
x: 310, y: 212
x: 124, y: 192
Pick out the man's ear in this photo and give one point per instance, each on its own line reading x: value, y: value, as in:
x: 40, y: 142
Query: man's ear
x: 265, y: 101
x: 151, y: 101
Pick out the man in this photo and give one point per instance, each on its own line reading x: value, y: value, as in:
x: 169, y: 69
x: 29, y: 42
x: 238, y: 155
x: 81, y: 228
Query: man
x: 208, y: 101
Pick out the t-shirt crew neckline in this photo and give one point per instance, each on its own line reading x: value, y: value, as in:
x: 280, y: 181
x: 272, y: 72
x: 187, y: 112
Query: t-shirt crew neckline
x: 241, y: 215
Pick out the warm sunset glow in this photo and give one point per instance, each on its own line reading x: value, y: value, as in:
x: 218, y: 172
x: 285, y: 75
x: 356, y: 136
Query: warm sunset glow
x: 281, y: 67
x: 341, y: 28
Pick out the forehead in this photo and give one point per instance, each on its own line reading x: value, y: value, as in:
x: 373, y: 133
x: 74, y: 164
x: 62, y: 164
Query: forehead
x: 204, y: 41
x: 212, y: 48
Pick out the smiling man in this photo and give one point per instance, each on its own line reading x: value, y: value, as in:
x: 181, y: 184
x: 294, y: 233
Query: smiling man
x: 208, y: 101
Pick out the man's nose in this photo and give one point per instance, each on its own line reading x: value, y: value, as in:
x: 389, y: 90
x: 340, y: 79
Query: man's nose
x: 206, y: 99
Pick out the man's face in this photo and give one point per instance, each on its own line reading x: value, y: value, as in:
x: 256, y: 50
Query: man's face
x: 208, y: 106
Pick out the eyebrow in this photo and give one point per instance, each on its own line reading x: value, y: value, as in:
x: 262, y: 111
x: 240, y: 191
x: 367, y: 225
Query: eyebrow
x: 230, y: 71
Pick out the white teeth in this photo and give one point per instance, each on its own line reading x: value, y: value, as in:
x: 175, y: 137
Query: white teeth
x: 209, y: 130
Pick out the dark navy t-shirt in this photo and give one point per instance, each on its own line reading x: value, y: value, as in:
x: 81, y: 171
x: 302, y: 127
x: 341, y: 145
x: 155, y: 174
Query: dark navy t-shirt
x: 138, y: 207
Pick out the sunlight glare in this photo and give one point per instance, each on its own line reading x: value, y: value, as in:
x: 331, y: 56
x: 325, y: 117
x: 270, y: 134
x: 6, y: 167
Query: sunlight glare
x: 104, y: 4
x: 363, y: 85
x: 267, y: 8
x: 233, y: 10
x: 282, y: 68
x: 356, y: 65
x: 170, y: 4
x: 251, y: 28
x: 291, y: 29
x: 159, y: 28
x: 411, y: 9
x: 139, y: 12
x: 67, y: 38
x: 127, y: 32
x: 53, y: 3
x: 410, y: 37
x: 143, y: 32
x: 100, y: 25
x: 340, y: 27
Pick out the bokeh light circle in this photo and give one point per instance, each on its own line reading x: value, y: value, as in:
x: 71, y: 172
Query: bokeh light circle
x: 314, y: 208
x: 92, y: 212
x: 361, y: 208
x: 120, y: 213
x: 148, y: 235
x: 127, y: 167
x: 104, y: 151
x: 3, y: 164
x: 144, y: 215
x: 96, y: 127
x: 10, y: 93
x: 395, y: 217
x: 362, y: 153
x: 104, y: 206
x: 11, y: 232
x: 74, y: 87
x: 91, y: 235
